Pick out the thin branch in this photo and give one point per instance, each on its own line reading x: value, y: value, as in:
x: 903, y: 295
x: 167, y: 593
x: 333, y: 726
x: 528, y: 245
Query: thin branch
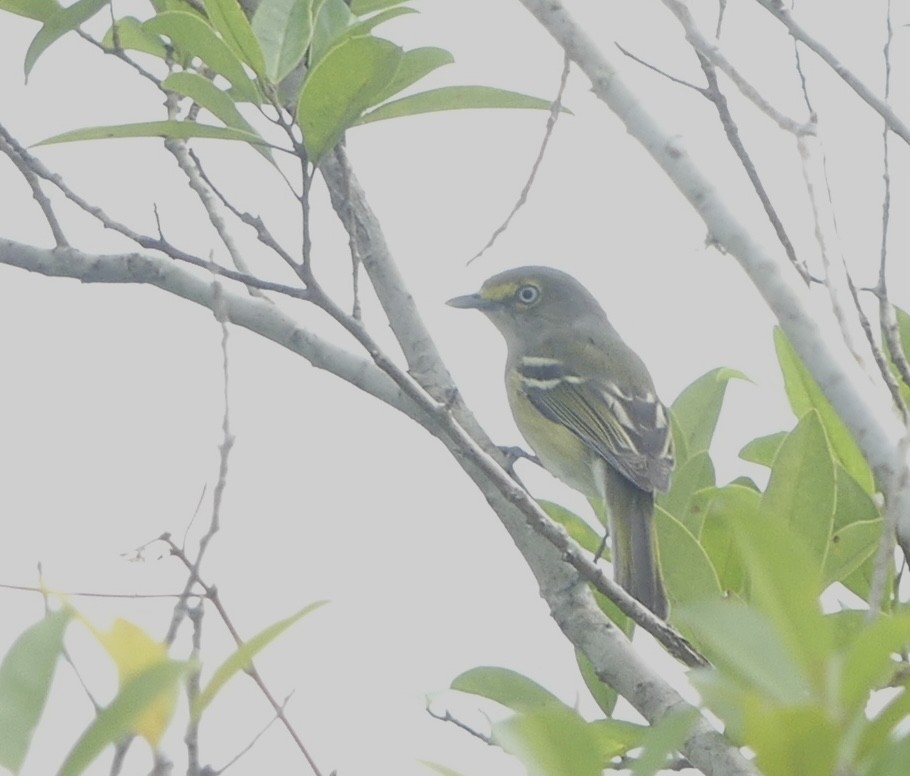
x: 448, y: 717
x: 887, y: 316
x: 800, y: 33
x: 555, y: 110
x: 35, y: 185
x: 210, y: 203
x: 710, y: 48
x: 826, y: 236
x: 146, y: 241
x: 255, y: 739
x: 211, y: 593
x: 227, y: 442
x: 86, y: 593
x: 255, y: 222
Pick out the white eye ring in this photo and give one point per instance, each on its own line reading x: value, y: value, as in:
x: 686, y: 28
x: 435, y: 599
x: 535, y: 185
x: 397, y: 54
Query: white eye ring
x: 528, y: 294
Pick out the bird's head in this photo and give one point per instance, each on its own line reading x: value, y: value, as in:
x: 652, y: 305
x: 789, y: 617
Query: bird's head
x: 528, y: 300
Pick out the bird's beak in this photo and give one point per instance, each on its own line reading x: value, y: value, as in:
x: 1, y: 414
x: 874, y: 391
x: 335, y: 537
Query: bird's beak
x: 469, y: 302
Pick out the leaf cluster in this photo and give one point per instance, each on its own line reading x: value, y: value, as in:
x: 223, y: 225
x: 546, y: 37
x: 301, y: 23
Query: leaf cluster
x: 319, y: 59
x: 147, y: 698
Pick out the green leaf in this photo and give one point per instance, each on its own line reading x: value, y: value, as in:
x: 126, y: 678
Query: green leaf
x: 801, y: 489
x: 687, y: 571
x: 115, y: 721
x: 229, y: 19
x: 205, y: 94
x: 333, y: 20
x: 181, y: 130
x: 851, y: 546
x: 132, y: 36
x: 551, y: 741
x: 793, y: 741
x: 340, y: 87
x: 784, y: 582
x: 192, y: 35
x: 575, y: 526
x: 604, y: 695
x: 663, y: 739
x: 744, y: 645
x: 853, y: 503
x: 616, y: 737
x: 243, y: 656
x: 762, y: 450
x: 867, y: 665
x: 506, y: 687
x: 361, y: 7
x: 441, y: 769
x: 804, y: 394
x: 694, y: 475
x: 903, y: 331
x: 416, y: 64
x: 453, y: 98
x: 891, y: 759
x: 63, y: 21
x: 697, y: 408
x: 25, y: 679
x: 364, y: 26
x: 721, y: 508
x: 284, y: 29
x: 880, y: 728
x: 40, y: 10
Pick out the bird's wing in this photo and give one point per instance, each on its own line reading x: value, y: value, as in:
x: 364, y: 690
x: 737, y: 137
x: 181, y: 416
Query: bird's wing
x: 630, y: 431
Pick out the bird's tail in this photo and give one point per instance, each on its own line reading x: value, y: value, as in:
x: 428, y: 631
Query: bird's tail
x: 635, y: 563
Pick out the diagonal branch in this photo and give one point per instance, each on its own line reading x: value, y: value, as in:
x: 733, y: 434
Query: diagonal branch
x: 865, y: 93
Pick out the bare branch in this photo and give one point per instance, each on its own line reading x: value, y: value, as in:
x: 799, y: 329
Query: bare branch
x: 258, y: 315
x: 894, y: 122
x: 35, y: 185
x: 211, y: 593
x: 555, y: 110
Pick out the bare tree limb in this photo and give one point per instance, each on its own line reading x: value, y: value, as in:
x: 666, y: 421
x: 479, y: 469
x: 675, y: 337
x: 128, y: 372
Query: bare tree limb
x: 865, y: 93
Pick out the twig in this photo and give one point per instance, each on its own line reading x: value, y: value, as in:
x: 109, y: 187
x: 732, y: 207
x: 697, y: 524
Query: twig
x: 826, y: 236
x: 254, y: 740
x: 193, y: 689
x: 255, y: 222
x: 894, y: 122
x: 145, y: 241
x: 555, y: 110
x: 64, y: 651
x: 713, y: 93
x: 227, y: 442
x: 448, y: 717
x: 711, y: 49
x: 210, y: 203
x: 211, y: 593
x: 86, y: 593
x: 37, y: 192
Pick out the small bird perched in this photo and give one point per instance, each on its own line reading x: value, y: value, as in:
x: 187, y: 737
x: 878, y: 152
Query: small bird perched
x: 586, y: 405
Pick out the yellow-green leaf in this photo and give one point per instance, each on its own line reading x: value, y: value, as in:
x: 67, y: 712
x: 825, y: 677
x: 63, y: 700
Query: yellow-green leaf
x: 25, y: 679
x: 243, y: 656
x: 344, y: 83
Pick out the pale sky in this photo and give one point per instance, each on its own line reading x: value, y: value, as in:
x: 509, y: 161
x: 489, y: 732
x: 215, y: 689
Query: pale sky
x: 112, y: 396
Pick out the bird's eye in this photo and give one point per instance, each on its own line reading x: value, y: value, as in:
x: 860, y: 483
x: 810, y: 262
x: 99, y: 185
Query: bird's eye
x: 528, y: 294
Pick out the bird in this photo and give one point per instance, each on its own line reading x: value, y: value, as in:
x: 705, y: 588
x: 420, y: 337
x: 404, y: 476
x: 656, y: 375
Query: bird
x: 586, y: 404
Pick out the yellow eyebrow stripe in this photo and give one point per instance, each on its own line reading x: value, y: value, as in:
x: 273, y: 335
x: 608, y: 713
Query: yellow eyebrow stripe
x: 499, y: 292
